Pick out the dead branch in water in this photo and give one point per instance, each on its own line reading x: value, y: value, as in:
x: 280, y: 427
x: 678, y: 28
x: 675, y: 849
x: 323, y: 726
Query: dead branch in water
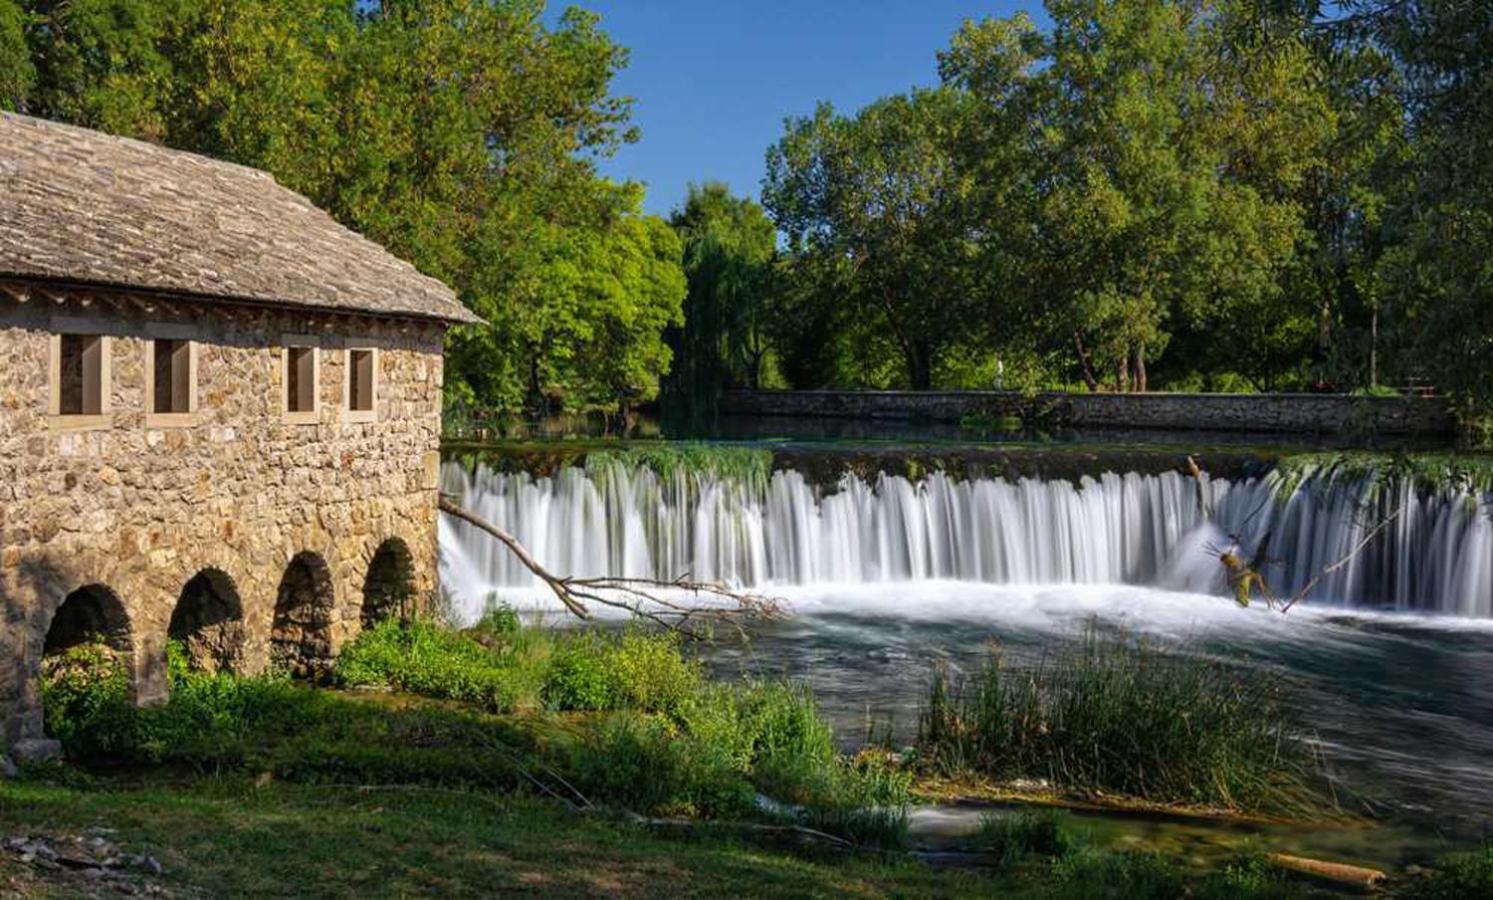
x: 636, y: 596
x: 1245, y: 576
x: 1357, y: 548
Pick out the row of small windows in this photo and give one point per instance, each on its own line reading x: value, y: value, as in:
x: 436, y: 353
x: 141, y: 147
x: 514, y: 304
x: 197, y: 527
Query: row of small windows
x: 81, y: 377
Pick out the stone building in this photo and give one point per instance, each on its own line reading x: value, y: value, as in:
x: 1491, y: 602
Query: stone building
x: 219, y: 416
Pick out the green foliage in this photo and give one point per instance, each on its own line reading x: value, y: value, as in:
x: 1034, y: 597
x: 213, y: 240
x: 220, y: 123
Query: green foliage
x: 1120, y: 875
x: 729, y: 252
x: 1116, y: 715
x: 424, y: 658
x: 648, y: 764
x: 1012, y: 838
x: 1426, y: 472
x: 654, y: 737
x: 682, y: 460
x: 878, y: 212
x: 1458, y: 875
x: 462, y: 135
x: 86, y: 700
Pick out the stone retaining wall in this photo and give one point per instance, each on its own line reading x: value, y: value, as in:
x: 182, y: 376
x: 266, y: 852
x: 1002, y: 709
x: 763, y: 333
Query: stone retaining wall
x: 1307, y: 414
x: 281, y: 535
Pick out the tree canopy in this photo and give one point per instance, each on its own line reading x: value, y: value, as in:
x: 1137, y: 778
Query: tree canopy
x: 461, y: 134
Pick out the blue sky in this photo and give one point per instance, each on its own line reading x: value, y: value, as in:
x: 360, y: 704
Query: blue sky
x: 713, y: 79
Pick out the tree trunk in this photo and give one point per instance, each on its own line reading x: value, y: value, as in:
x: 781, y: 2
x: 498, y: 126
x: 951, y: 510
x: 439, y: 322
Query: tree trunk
x: 1140, y: 368
x: 920, y: 367
x: 1089, y: 379
x: 1122, y: 371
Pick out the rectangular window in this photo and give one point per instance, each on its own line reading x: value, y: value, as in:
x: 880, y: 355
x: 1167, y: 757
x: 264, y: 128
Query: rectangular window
x: 360, y: 380
x: 300, y: 379
x: 171, y: 386
x: 81, y: 387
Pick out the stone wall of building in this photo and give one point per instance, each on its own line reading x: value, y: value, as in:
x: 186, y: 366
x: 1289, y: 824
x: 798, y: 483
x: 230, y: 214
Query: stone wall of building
x: 1306, y: 414
x: 249, y: 536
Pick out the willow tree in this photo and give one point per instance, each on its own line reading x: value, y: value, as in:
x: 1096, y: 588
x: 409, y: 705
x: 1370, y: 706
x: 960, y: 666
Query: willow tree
x: 729, y: 249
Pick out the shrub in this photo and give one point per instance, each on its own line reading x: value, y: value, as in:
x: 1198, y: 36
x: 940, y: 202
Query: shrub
x: 424, y: 658
x: 86, y: 701
x: 638, y: 670
x: 1116, y: 715
x: 645, y: 764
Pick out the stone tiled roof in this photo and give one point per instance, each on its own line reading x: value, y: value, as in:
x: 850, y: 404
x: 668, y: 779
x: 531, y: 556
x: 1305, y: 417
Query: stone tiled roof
x: 80, y: 206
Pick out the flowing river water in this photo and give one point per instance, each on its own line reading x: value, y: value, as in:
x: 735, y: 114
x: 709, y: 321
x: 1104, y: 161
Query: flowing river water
x: 1389, y: 656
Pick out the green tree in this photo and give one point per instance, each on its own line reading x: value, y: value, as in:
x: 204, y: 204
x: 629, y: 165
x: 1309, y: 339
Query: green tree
x: 881, y: 200
x: 729, y: 248
x: 1170, y: 158
x: 16, y: 72
x: 1440, y: 270
x: 461, y: 134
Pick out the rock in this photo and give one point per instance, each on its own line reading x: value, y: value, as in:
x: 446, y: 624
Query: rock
x: 32, y: 750
x: 7, y: 768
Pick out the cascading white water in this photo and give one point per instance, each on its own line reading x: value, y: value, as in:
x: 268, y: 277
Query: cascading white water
x: 1436, y: 555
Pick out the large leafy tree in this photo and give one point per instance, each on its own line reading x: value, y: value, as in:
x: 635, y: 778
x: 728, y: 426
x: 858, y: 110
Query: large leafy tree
x: 462, y: 134
x: 1440, y: 270
x: 881, y: 206
x: 1170, y: 160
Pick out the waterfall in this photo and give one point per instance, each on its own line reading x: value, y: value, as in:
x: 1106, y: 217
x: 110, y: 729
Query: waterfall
x: 616, y: 518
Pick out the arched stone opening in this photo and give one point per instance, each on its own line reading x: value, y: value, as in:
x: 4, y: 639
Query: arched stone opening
x: 208, y: 621
x: 90, y: 617
x: 89, y: 614
x: 389, y: 587
x: 301, y: 635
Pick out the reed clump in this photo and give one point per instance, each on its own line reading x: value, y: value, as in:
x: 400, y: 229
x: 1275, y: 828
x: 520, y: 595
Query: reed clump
x: 1113, y: 714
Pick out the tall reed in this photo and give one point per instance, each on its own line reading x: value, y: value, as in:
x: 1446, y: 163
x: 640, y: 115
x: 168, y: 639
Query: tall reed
x: 1114, y: 714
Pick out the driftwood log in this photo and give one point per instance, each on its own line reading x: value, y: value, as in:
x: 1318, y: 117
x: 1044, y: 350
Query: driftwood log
x: 1336, y: 873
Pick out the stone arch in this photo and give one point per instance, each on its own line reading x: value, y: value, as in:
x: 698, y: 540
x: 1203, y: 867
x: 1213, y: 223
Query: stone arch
x: 92, y: 612
x: 389, y: 587
x: 301, y: 634
x: 209, y: 621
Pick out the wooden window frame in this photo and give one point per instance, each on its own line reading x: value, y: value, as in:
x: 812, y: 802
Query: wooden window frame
x: 192, y: 415
x: 301, y: 416
x: 104, y: 418
x: 359, y: 415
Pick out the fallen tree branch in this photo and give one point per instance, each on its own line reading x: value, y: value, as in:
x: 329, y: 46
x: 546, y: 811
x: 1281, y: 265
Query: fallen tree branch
x: 634, y: 595
x: 1357, y: 548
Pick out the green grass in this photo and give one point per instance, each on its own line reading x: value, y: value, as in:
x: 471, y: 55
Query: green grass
x: 628, y: 719
x: 221, y: 837
x: 1115, y: 715
x: 1458, y: 876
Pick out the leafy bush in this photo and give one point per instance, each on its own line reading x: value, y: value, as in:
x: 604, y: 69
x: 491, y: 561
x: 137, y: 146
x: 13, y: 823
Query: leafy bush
x: 646, y: 764
x: 86, y: 701
x: 424, y: 658
x: 668, y: 742
x: 1116, y: 715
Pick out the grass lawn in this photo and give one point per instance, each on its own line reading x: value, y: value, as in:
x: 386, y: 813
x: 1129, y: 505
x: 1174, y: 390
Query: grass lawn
x: 227, y: 837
